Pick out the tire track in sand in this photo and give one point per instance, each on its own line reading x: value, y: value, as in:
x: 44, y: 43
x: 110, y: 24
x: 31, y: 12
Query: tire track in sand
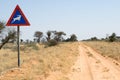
x: 92, y: 66
x: 81, y: 69
x: 102, y: 68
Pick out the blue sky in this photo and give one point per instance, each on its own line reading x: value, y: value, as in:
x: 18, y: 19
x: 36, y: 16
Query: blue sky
x: 85, y: 18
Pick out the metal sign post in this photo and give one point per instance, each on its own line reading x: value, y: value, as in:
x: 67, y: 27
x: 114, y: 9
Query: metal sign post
x: 18, y: 43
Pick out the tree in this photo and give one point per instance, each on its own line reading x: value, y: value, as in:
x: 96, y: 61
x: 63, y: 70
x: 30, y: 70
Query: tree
x: 49, y: 33
x: 21, y: 40
x: 94, y: 39
x: 38, y: 35
x: 34, y: 40
x: 27, y: 41
x: 11, y: 36
x: 7, y: 34
x: 112, y: 38
x: 58, y: 36
x: 73, y: 37
x: 2, y: 26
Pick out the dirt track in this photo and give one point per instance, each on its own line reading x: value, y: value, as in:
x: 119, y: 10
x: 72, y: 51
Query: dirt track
x: 92, y: 66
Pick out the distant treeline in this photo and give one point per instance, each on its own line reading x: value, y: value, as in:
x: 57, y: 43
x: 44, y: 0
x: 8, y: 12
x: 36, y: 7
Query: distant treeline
x: 9, y: 35
x: 112, y: 38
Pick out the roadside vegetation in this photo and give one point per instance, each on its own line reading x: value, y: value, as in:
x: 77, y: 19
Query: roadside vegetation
x: 6, y: 34
x: 39, y: 63
x: 45, y: 54
x: 106, y: 48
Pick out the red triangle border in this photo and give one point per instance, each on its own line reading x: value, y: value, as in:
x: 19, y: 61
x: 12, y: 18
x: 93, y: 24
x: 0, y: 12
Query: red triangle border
x: 17, y: 8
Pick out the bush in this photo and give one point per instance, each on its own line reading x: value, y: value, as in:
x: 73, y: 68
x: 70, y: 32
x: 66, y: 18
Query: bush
x: 94, y: 39
x: 112, y: 38
x: 72, y: 38
x: 52, y: 42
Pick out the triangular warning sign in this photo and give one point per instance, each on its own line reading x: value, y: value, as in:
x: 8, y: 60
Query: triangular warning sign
x: 17, y: 18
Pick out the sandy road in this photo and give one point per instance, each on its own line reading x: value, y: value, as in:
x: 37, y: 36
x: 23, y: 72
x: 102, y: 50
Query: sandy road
x: 92, y: 66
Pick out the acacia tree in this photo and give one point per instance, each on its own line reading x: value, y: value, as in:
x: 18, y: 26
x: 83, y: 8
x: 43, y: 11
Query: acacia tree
x: 10, y: 37
x: 38, y: 35
x: 59, y: 36
x: 11, y: 34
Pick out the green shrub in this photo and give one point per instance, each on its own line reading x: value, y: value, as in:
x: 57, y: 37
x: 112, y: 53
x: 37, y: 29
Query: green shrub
x: 52, y: 42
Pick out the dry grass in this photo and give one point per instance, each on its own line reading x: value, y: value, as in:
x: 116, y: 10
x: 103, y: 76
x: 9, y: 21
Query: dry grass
x: 7, y: 59
x: 39, y: 64
x: 106, y: 48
